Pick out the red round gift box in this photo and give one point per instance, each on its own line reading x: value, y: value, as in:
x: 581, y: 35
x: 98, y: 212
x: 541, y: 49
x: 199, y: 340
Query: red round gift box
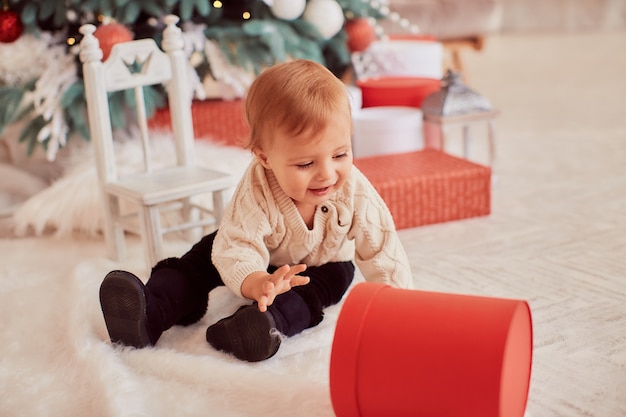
x: 396, y: 91
x: 400, y: 352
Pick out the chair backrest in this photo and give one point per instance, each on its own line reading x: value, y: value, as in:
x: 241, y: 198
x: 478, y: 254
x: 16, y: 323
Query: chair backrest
x: 134, y: 65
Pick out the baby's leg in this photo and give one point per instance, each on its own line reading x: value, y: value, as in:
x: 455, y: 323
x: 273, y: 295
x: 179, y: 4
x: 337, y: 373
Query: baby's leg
x: 329, y: 283
x: 175, y: 294
x: 250, y: 335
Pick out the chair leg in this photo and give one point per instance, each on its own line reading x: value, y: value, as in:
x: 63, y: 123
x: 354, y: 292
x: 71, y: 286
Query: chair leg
x: 218, y: 206
x: 113, y: 233
x: 192, y: 215
x: 151, y: 234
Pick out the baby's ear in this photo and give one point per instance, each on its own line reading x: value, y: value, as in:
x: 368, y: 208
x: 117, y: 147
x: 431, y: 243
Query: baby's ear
x: 262, y: 157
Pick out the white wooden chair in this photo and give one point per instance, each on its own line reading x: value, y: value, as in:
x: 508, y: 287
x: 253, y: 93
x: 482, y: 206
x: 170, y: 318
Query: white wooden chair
x: 152, y: 190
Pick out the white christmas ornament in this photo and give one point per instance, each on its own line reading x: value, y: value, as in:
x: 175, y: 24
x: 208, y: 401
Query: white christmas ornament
x: 287, y: 9
x: 325, y: 15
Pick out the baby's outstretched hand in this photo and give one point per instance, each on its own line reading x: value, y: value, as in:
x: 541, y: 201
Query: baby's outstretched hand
x: 263, y: 287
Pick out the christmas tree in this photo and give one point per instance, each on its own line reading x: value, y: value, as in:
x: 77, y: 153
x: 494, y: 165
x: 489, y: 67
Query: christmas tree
x: 228, y: 43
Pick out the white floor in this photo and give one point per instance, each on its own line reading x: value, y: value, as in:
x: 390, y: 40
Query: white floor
x: 557, y: 233
x: 556, y: 236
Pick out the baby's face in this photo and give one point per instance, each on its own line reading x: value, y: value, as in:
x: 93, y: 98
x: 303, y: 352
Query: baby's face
x: 310, y: 169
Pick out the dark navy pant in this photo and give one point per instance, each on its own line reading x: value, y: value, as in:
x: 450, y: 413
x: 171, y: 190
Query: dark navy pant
x: 179, y: 288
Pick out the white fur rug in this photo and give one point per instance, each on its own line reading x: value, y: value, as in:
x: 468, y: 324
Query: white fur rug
x: 55, y: 358
x: 73, y: 203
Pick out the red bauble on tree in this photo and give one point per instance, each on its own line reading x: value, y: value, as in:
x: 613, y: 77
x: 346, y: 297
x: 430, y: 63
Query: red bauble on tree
x: 360, y: 34
x: 11, y: 26
x: 110, y: 34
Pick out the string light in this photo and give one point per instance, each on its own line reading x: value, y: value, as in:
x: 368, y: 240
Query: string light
x: 217, y: 4
x: 71, y: 16
x: 382, y: 7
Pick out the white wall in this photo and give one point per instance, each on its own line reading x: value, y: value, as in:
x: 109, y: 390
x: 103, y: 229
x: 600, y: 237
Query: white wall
x: 543, y: 15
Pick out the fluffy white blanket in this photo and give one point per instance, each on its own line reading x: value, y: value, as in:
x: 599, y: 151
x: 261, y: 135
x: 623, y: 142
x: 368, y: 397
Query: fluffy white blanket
x: 56, y: 360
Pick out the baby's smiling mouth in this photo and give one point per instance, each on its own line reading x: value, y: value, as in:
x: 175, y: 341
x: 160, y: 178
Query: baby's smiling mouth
x: 319, y: 190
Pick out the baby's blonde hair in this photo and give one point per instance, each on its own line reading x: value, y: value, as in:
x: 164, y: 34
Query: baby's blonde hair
x: 296, y: 97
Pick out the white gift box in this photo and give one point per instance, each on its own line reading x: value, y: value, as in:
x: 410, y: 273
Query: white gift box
x: 401, y: 57
x: 386, y: 130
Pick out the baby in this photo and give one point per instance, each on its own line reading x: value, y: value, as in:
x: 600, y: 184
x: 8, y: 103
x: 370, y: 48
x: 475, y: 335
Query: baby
x: 300, y: 219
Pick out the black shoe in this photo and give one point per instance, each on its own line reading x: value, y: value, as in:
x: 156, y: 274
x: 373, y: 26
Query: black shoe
x: 249, y: 334
x: 123, y: 302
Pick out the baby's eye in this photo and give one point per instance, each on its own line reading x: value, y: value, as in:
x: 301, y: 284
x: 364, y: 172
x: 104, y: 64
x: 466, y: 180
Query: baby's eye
x: 305, y: 166
x: 341, y: 155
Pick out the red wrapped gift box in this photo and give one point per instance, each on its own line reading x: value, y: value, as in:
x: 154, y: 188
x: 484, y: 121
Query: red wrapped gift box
x: 221, y: 121
x: 429, y: 186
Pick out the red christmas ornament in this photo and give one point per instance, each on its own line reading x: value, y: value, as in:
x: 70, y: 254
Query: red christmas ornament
x: 111, y: 34
x: 360, y: 34
x: 11, y: 26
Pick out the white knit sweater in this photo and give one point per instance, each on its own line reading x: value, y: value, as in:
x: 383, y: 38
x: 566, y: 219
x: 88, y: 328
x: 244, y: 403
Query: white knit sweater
x: 262, y: 226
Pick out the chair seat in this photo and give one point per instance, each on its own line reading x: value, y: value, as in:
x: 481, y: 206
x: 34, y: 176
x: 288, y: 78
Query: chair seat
x: 170, y: 183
